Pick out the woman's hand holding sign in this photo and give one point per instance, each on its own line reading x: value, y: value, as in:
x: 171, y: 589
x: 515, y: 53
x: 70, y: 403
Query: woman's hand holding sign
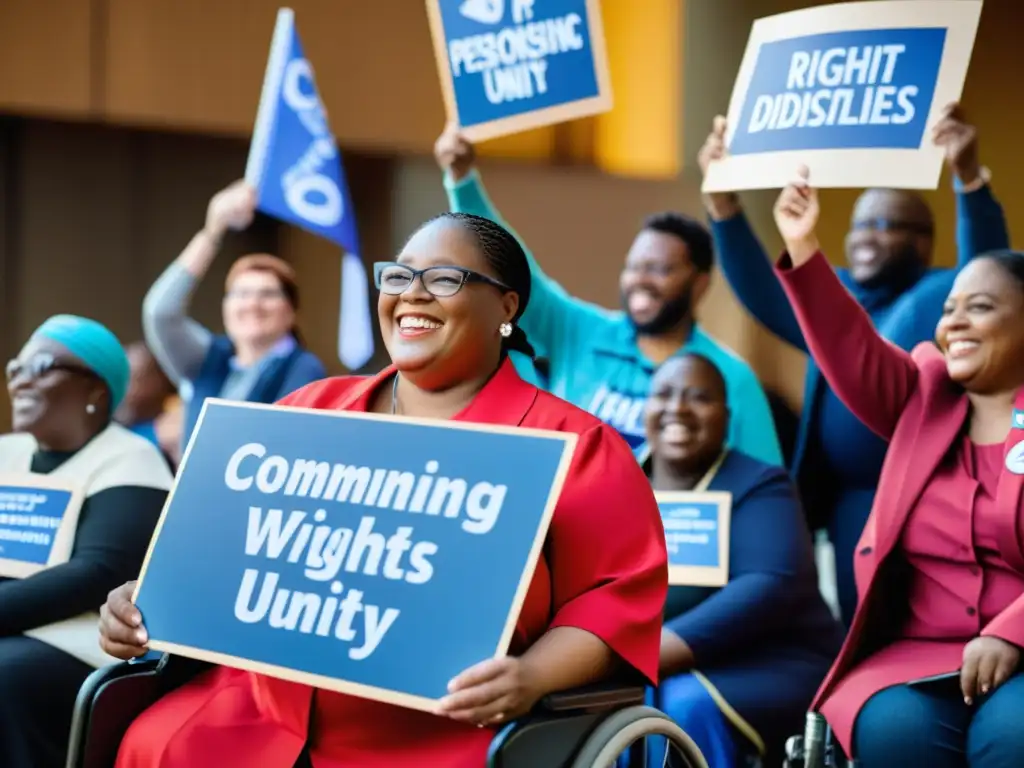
x: 796, y: 215
x: 122, y: 634
x: 498, y: 690
x: 491, y: 692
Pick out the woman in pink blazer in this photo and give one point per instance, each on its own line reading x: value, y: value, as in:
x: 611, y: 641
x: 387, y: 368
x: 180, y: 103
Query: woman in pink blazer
x: 929, y: 674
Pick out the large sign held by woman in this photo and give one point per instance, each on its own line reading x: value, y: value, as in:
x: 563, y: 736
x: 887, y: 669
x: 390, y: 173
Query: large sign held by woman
x: 511, y: 65
x: 38, y: 521
x: 850, y: 90
x: 365, y: 554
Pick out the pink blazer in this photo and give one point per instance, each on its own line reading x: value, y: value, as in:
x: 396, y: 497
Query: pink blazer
x: 909, y: 400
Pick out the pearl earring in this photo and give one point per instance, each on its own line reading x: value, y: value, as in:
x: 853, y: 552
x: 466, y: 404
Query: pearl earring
x: 505, y: 329
x: 90, y: 408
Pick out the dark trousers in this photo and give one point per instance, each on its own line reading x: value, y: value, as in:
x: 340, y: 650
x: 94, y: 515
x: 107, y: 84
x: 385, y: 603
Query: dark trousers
x: 931, y: 726
x: 38, y: 687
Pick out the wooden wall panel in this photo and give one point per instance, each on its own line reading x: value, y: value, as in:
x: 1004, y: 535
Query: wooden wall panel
x: 46, y: 56
x: 198, y: 65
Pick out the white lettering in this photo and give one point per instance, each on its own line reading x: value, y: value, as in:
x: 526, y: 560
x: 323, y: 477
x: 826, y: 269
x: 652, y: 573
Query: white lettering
x: 480, y: 504
x: 853, y: 86
x: 307, y: 612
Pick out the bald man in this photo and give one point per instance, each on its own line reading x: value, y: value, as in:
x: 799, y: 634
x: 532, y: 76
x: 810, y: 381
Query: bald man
x: 889, y: 249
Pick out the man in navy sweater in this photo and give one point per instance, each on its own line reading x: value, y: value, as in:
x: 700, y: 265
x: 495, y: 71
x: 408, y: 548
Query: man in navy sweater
x: 837, y: 460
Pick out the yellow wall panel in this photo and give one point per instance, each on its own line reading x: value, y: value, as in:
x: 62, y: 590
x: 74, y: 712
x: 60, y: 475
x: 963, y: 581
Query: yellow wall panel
x: 641, y: 135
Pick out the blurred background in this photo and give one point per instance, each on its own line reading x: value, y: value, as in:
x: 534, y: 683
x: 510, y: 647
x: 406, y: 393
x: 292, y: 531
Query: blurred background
x: 120, y: 118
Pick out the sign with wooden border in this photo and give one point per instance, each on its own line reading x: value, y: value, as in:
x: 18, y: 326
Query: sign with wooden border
x: 511, y: 65
x: 697, y: 527
x: 376, y: 556
x: 850, y: 90
x: 38, y: 522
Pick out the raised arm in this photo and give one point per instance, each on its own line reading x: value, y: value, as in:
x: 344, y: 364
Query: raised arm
x: 178, y: 342
x: 770, y: 554
x: 741, y: 256
x: 554, y: 319
x: 872, y: 377
x: 980, y: 223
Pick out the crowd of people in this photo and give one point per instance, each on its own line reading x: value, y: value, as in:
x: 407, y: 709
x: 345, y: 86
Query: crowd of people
x: 908, y: 453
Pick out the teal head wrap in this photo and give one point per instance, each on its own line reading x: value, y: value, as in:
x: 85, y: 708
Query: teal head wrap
x: 94, y: 345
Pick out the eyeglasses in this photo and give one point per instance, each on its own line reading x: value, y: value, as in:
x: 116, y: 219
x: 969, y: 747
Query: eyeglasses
x: 42, y: 363
x: 394, y: 279
x: 260, y: 294
x: 891, y: 225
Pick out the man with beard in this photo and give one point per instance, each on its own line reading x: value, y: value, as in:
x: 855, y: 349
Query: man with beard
x: 837, y: 460
x: 603, y: 361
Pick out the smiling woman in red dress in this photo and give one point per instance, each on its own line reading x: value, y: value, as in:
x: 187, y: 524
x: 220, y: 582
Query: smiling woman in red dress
x: 930, y: 673
x: 447, y: 310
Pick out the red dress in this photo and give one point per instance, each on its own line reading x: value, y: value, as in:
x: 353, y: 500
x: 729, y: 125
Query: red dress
x: 603, y: 569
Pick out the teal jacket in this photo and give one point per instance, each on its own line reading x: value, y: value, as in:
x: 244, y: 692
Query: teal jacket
x: 594, y: 361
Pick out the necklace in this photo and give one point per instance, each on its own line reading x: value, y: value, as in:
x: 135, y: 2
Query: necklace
x: 394, y: 396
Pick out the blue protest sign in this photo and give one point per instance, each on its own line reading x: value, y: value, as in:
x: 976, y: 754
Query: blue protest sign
x: 370, y: 555
x: 865, y: 88
x: 38, y: 519
x: 696, y: 536
x: 295, y: 166
x: 831, y: 86
x: 507, y: 66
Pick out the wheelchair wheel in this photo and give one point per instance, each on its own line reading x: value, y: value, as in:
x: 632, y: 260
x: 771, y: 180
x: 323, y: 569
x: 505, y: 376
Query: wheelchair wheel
x: 621, y: 729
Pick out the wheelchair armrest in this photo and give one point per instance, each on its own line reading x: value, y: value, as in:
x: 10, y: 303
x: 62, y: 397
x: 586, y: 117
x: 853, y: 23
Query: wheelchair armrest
x: 107, y: 702
x: 591, y: 698
x: 112, y: 697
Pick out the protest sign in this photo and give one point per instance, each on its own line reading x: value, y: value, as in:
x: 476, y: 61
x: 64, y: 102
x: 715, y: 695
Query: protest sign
x: 511, y: 65
x: 851, y: 91
x: 697, y: 536
x: 376, y: 556
x: 295, y: 166
x: 38, y: 521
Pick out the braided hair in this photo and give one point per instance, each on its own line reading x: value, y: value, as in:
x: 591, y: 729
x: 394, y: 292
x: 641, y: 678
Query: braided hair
x: 1012, y: 263
x: 507, y: 258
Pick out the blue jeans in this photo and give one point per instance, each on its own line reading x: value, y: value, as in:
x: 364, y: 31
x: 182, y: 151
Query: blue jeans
x: 930, y: 726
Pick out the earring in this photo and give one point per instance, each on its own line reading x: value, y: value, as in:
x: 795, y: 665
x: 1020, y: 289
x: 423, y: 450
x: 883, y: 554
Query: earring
x: 505, y: 329
x: 90, y: 408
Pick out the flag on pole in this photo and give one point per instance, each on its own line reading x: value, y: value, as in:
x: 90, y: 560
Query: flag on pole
x: 295, y: 166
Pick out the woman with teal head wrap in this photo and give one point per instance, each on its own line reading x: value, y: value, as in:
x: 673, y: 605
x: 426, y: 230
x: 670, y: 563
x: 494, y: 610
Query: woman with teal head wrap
x: 64, y: 386
x: 67, y: 381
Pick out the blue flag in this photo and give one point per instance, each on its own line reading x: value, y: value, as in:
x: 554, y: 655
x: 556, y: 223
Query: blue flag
x: 295, y: 166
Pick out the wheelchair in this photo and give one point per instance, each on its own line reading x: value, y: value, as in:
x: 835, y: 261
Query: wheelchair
x: 582, y: 728
x: 816, y: 748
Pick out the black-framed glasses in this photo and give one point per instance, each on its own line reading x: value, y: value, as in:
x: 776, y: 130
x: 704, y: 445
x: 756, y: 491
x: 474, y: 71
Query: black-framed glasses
x: 42, y: 363
x: 394, y: 279
x: 879, y: 224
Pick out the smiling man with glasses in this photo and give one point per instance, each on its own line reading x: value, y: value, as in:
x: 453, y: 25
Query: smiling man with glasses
x: 603, y: 360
